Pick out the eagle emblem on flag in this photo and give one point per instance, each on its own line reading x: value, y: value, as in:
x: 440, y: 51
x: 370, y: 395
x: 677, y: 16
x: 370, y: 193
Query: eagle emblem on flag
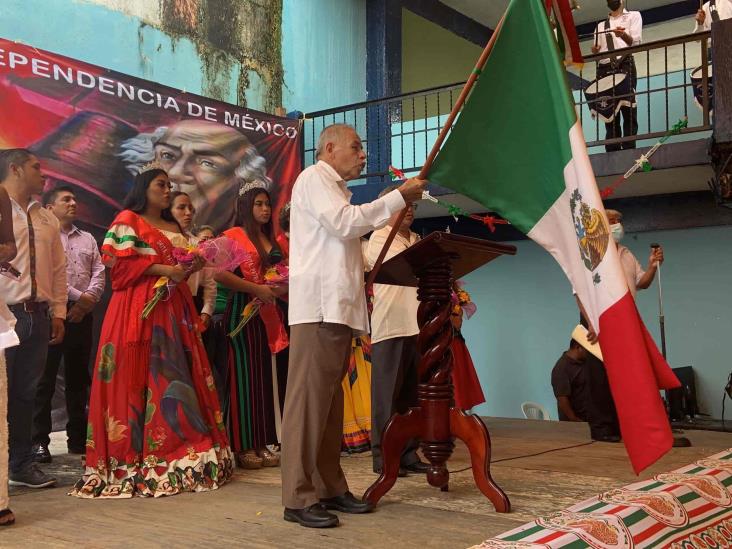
x: 593, y: 234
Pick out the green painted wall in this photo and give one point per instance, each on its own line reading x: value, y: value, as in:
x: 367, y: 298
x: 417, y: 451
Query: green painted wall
x: 433, y: 56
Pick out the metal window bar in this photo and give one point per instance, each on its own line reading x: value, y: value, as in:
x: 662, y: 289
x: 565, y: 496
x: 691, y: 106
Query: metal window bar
x: 394, y: 132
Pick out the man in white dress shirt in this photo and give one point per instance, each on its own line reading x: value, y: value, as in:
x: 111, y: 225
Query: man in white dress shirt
x: 327, y: 307
x: 622, y: 29
x: 714, y: 10
x: 637, y: 278
x: 603, y: 416
x: 394, y: 354
x: 37, y: 296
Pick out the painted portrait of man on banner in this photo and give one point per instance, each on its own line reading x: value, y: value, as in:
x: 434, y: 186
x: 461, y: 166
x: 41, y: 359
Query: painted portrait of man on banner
x: 207, y: 160
x: 95, y: 128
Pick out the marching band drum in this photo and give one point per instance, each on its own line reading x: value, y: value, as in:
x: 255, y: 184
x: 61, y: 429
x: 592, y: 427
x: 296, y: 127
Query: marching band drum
x: 696, y: 82
x: 605, y: 96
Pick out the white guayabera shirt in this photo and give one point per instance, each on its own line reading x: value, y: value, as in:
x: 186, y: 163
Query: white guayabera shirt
x: 326, y: 263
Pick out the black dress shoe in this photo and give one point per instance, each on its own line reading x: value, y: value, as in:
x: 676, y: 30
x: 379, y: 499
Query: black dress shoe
x: 314, y: 516
x: 347, y: 503
x: 607, y: 438
x: 41, y: 454
x: 418, y: 467
x: 402, y: 471
x: 77, y: 449
x: 681, y: 442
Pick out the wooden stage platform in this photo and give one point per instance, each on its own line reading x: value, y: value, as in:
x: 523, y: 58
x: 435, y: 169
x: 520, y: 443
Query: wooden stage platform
x: 248, y: 513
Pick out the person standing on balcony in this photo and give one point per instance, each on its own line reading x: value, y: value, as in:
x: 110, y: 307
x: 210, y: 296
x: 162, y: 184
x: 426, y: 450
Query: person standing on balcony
x: 621, y: 29
x: 711, y: 12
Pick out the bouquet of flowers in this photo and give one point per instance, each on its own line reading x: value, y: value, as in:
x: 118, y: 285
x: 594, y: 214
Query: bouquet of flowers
x: 276, y: 275
x: 461, y: 301
x: 220, y: 254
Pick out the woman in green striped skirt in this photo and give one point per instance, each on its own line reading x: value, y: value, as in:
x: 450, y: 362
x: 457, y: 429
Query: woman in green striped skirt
x: 253, y: 409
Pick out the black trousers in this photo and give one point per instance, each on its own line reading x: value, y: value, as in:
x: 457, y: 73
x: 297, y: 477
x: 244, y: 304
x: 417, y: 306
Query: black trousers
x: 394, y: 378
x: 25, y: 366
x: 75, y: 350
x: 216, y: 344
x: 601, y: 414
x: 282, y: 359
x: 629, y: 114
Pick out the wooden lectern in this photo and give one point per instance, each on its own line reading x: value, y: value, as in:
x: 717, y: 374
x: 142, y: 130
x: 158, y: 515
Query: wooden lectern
x: 432, y: 265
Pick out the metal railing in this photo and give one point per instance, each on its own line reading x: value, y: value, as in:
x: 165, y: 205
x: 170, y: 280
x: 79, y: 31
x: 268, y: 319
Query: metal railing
x: 401, y: 130
x: 662, y: 96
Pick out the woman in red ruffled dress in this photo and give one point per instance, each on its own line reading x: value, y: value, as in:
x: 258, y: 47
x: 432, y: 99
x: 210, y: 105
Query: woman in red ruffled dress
x: 155, y: 427
x: 468, y: 392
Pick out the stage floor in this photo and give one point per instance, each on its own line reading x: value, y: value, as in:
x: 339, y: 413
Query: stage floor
x: 248, y: 513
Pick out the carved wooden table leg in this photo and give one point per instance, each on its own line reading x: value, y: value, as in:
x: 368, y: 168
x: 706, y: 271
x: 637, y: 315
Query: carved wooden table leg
x: 433, y: 421
x: 434, y: 392
x: 473, y: 432
x: 400, y: 429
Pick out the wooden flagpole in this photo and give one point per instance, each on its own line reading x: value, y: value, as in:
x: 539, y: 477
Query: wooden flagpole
x: 438, y: 144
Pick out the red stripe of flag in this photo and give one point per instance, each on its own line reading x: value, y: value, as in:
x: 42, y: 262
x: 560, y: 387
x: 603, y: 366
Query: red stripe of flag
x: 636, y: 371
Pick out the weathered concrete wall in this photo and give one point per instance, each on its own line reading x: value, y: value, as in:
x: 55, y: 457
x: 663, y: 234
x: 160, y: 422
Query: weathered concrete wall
x: 232, y: 50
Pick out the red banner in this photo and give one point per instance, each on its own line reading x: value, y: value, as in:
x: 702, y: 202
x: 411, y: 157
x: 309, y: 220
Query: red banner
x: 92, y: 129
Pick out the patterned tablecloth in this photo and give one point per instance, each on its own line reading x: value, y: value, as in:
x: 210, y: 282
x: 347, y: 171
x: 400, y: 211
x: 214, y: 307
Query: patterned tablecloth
x: 688, y: 508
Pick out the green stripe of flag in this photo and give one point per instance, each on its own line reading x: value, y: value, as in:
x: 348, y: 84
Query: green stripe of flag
x: 509, y: 147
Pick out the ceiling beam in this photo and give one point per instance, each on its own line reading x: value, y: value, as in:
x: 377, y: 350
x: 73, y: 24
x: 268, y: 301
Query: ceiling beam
x: 450, y: 19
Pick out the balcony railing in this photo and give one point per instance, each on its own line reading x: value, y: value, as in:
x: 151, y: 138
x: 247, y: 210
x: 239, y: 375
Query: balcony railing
x: 401, y: 130
x: 664, y: 93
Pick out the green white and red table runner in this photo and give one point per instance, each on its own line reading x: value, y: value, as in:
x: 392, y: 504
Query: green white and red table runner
x: 688, y: 508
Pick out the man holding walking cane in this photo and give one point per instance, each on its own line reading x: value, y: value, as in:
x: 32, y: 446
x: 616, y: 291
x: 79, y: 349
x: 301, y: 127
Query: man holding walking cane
x: 637, y: 278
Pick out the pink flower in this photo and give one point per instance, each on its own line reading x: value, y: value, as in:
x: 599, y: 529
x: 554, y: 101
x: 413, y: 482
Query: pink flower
x: 183, y: 256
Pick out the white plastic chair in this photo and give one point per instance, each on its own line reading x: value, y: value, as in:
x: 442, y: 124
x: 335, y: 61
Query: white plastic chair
x: 532, y: 410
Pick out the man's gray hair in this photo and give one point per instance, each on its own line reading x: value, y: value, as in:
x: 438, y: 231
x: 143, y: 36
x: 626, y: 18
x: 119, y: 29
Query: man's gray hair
x: 139, y: 150
x: 614, y: 213
x: 389, y: 189
x: 330, y: 134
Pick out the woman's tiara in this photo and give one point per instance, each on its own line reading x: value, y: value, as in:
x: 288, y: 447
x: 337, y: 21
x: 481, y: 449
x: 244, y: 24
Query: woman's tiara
x: 154, y: 165
x: 256, y: 184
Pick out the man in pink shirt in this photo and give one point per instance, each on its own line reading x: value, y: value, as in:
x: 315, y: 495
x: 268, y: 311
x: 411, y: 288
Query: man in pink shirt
x: 85, y: 284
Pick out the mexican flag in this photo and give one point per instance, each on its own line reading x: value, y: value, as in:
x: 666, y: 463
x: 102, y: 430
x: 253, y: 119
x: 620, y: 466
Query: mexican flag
x: 518, y: 149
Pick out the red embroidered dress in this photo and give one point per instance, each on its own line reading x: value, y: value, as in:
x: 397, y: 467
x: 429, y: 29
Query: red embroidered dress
x: 155, y: 427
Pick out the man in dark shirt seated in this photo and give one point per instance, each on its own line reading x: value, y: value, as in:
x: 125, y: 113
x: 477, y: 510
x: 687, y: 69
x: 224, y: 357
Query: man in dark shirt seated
x: 580, y: 394
x: 570, y: 384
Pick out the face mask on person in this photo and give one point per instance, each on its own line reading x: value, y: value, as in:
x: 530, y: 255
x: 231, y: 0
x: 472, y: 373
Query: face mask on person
x: 613, y: 4
x: 616, y: 229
